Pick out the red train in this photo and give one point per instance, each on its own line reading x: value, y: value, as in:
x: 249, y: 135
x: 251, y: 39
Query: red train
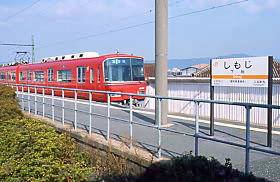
x: 114, y: 72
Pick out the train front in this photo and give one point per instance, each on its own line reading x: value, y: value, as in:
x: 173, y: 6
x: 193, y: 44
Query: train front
x: 125, y: 74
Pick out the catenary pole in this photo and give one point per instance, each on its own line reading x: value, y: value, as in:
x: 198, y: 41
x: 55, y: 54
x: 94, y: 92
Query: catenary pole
x: 33, y: 50
x: 161, y: 56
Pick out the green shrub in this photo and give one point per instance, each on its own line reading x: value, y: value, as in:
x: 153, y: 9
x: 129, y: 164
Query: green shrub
x: 9, y: 104
x: 195, y: 169
x: 33, y: 151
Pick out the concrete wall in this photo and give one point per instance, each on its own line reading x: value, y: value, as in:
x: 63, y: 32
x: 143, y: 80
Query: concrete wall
x: 199, y: 89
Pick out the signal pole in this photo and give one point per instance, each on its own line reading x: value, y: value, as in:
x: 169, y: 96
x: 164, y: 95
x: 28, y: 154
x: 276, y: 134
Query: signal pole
x: 33, y: 50
x: 161, y: 56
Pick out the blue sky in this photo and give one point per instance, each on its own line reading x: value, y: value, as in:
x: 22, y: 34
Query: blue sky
x: 252, y: 27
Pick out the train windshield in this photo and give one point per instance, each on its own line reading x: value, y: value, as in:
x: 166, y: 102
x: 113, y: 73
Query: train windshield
x: 124, y: 69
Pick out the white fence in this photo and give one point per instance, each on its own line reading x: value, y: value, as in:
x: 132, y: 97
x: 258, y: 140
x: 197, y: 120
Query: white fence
x: 193, y: 88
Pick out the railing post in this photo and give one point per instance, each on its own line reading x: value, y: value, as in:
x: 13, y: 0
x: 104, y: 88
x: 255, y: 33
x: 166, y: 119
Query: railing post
x: 130, y: 122
x: 43, y: 90
x: 29, y: 109
x: 159, y: 127
x: 247, y: 157
x: 108, y: 117
x: 35, y: 97
x: 22, y: 97
x: 75, y: 121
x: 52, y: 104
x: 196, y: 127
x: 90, y: 113
x: 62, y: 107
x: 17, y: 90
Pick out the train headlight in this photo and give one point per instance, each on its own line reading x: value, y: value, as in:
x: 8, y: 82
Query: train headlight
x: 115, y: 95
x: 141, y: 92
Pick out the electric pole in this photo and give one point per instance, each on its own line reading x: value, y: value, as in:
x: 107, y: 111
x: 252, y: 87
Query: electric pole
x: 161, y: 56
x: 33, y: 50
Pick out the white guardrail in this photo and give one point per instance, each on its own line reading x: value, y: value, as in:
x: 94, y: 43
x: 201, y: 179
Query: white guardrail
x: 159, y: 128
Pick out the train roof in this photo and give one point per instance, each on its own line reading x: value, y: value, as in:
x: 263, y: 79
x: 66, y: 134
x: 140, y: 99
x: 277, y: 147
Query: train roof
x: 71, y: 56
x: 77, y: 57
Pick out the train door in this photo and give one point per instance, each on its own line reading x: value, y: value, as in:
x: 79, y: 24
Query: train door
x: 92, y: 81
x: 81, y: 79
x: 97, y: 83
x: 98, y: 78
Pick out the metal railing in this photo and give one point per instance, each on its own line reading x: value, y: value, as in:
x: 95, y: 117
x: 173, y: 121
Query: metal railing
x: 159, y: 128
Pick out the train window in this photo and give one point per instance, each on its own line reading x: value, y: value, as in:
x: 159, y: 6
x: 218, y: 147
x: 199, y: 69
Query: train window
x: 81, y: 55
x: 91, y: 75
x: 8, y: 75
x: 63, y: 57
x: 64, y: 75
x: 13, y: 76
x: 137, y: 69
x: 50, y: 74
x: 81, y: 74
x: 123, y: 69
x: 28, y: 75
x: 21, y: 76
x: 99, y: 74
x: 56, y: 58
x: 39, y: 76
x: 2, y: 76
x: 72, y: 56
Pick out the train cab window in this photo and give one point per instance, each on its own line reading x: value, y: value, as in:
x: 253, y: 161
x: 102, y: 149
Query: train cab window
x: 38, y: 76
x: 2, y: 76
x: 28, y: 75
x: 21, y: 76
x: 8, y: 75
x: 81, y: 74
x: 91, y: 75
x: 123, y: 69
x: 50, y: 75
x: 64, y: 75
x: 13, y: 76
x: 99, y: 74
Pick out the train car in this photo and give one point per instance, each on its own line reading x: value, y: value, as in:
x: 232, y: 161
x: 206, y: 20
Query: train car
x: 114, y: 72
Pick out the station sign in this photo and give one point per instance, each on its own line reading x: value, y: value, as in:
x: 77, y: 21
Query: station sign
x: 240, y: 72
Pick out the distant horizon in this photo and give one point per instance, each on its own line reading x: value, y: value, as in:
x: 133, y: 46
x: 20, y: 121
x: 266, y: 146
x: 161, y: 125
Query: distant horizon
x: 187, y: 62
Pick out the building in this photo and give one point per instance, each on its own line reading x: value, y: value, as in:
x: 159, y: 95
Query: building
x: 189, y: 71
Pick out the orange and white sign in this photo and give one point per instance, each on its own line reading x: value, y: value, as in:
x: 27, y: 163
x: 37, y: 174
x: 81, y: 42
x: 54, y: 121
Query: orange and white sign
x: 240, y: 72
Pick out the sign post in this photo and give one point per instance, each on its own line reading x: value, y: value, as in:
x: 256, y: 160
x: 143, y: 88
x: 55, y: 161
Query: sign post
x: 211, y: 104
x: 243, y: 72
x: 269, y: 101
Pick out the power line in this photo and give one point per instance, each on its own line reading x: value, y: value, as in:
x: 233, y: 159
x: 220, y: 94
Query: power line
x: 128, y: 17
x: 21, y: 11
x: 16, y: 45
x: 44, y: 11
x: 146, y: 23
x: 208, y: 9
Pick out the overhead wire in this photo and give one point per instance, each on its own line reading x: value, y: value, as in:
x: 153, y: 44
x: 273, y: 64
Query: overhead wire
x: 146, y: 23
x: 44, y: 11
x: 21, y: 11
x: 207, y: 9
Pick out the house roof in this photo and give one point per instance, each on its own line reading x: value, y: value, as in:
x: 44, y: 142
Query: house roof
x: 198, y: 66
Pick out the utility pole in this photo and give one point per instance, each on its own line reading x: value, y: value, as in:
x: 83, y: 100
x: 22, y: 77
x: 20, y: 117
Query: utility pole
x: 33, y: 50
x: 161, y: 56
